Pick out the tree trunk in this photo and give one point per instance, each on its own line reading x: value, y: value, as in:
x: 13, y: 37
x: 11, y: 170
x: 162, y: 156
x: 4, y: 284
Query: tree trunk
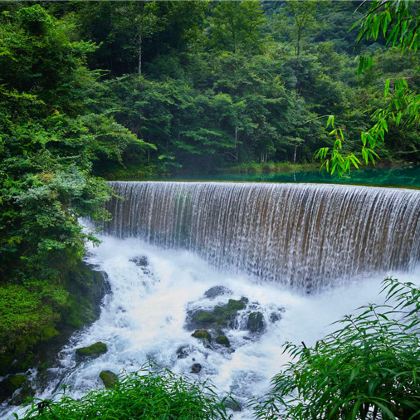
x: 299, y: 35
x: 236, y: 143
x: 294, y: 154
x: 140, y: 53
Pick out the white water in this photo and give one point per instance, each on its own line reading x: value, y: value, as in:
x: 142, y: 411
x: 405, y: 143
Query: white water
x: 307, y: 236
x: 143, y: 319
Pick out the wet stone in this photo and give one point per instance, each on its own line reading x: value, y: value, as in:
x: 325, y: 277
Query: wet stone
x: 222, y: 340
x: 233, y: 405
x: 201, y: 334
x: 140, y: 261
x: 25, y: 393
x: 9, y: 385
x: 256, y: 322
x: 217, y: 291
x: 218, y: 317
x: 184, y: 351
x: 196, y: 368
x: 275, y: 316
x: 94, y: 350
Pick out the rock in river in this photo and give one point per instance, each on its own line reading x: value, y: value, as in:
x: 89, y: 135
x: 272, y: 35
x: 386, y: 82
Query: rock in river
x: 109, y: 378
x: 94, y: 350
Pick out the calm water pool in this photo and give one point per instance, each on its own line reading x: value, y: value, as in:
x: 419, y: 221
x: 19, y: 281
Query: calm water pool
x: 389, y: 177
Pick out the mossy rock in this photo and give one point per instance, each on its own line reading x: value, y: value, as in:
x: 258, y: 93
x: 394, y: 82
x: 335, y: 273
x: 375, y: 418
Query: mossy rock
x: 220, y: 316
x: 9, y: 385
x: 93, y: 350
x: 222, y: 340
x: 201, y: 334
x: 256, y: 322
x: 108, y: 378
x: 16, y: 381
x: 49, y: 313
x: 232, y: 404
x: 23, y: 395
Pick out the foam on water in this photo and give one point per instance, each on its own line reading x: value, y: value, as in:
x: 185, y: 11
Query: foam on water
x: 143, y: 319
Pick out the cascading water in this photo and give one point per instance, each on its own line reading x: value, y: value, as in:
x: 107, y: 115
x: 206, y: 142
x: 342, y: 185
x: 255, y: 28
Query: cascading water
x: 307, y: 236
x: 301, y: 235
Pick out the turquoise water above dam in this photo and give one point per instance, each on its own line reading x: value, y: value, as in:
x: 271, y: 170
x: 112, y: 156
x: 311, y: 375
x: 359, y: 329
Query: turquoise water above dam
x: 386, y: 177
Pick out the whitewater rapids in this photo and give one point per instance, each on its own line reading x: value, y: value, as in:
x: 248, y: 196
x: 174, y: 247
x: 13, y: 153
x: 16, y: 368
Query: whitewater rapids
x: 143, y: 319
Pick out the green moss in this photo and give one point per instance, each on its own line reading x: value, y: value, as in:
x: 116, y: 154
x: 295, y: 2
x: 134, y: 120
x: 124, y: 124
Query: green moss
x: 223, y: 340
x: 221, y: 315
x: 205, y: 317
x: 28, y: 316
x: 16, y: 381
x: 12, y: 383
x: 201, y: 334
x: 94, y: 350
x: 86, y: 288
x: 110, y: 379
x: 36, y: 317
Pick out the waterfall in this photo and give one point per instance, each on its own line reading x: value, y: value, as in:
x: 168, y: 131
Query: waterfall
x: 303, y: 235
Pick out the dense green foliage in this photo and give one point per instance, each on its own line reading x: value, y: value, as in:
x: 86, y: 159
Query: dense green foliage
x: 216, y: 84
x: 116, y: 89
x: 397, y: 22
x: 142, y: 395
x: 50, y: 135
x: 368, y: 369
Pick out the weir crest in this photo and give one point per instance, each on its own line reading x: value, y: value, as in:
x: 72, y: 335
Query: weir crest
x: 303, y: 235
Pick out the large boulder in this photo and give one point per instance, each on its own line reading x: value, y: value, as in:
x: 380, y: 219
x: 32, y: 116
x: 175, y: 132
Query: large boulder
x: 220, y: 316
x: 92, y: 351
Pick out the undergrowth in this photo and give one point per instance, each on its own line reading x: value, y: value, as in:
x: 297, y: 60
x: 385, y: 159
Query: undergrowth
x: 368, y: 369
x: 147, y: 395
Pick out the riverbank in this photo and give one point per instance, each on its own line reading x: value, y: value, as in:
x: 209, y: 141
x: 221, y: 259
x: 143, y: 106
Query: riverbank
x: 37, y: 318
x: 269, y: 168
x: 153, y: 172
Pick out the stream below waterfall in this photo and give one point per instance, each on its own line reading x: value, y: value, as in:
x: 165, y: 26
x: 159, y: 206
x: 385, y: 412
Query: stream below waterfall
x: 143, y: 319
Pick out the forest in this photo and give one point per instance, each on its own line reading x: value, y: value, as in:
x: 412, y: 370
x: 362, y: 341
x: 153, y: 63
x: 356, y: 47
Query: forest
x: 133, y: 90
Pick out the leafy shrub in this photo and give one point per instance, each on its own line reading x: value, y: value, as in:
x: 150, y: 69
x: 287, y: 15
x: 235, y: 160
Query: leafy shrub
x: 368, y: 369
x: 145, y: 395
